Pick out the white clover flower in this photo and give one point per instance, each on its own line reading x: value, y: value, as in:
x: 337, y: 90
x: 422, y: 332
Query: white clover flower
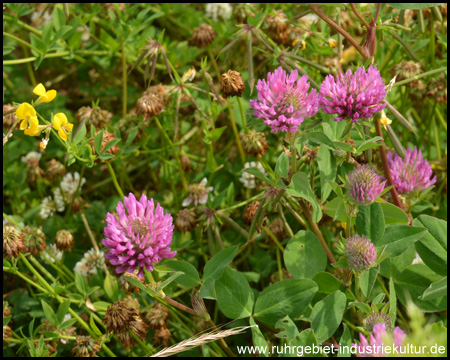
x: 55, y: 254
x: 88, y: 265
x: 247, y: 179
x: 198, y: 193
x: 69, y: 183
x: 66, y: 317
x: 32, y: 158
x: 86, y: 32
x: 214, y: 11
x: 310, y: 18
x: 49, y: 206
x: 41, y: 18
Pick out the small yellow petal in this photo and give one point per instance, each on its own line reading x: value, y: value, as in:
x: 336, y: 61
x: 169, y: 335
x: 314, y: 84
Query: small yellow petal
x: 24, y: 124
x: 49, y: 96
x: 39, y: 90
x: 332, y: 43
x: 68, y: 127
x: 62, y: 134
x: 24, y: 110
x: 60, y: 119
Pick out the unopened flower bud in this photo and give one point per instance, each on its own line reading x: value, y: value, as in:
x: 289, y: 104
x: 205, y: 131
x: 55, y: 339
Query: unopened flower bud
x: 278, y: 26
x: 203, y: 35
x: 231, y: 84
x: 377, y: 318
x: 64, y: 240
x: 364, y: 185
x: 254, y: 143
x: 361, y: 253
x: 35, y: 240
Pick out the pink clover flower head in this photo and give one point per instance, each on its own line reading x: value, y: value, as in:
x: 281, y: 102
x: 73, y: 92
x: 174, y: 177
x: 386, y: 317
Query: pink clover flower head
x: 364, y: 185
x: 379, y: 339
x: 413, y: 173
x: 283, y: 100
x: 353, y: 96
x: 139, y: 237
x: 361, y: 253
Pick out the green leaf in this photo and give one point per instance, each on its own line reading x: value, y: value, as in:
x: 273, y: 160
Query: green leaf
x: 320, y: 138
x: 367, y: 280
x: 111, y: 288
x: 98, y: 142
x: 171, y: 278
x: 369, y: 144
x: 63, y: 310
x: 282, y: 166
x: 328, y: 284
x: 411, y: 284
x: 346, y: 340
x: 68, y: 323
x: 393, y: 214
x: 327, y: 170
x: 215, y: 134
x: 326, y: 316
x: 370, y: 222
x: 413, y: 6
x: 398, y: 238
x: 6, y: 320
x: 258, y: 338
x: 102, y: 305
x: 94, y: 326
x: 213, y: 270
x: 110, y: 145
x: 432, y: 247
x: 106, y: 156
x: 306, y: 344
x: 58, y: 17
x: 361, y: 306
x: 234, y: 295
x: 435, y: 290
x: 288, y: 297
x: 304, y: 256
x: 290, y: 329
x: 336, y: 209
x: 80, y: 283
x: 190, y: 278
x: 300, y: 187
x: 256, y: 172
x: 81, y: 134
x: 392, y: 300
x: 49, y: 313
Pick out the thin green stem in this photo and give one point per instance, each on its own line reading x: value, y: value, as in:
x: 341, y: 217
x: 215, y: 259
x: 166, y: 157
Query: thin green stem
x: 420, y: 76
x: 241, y: 109
x: 114, y: 179
x: 124, y: 78
x: 19, y: 274
x: 33, y: 58
x: 23, y: 42
x: 236, y: 134
x: 358, y: 292
x: 274, y: 238
x: 214, y: 62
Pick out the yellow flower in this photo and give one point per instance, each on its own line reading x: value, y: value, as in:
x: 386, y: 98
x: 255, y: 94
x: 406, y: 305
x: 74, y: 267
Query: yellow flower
x: 332, y: 43
x: 27, y: 114
x: 44, y: 96
x: 344, y: 225
x: 63, y: 126
x: 303, y: 47
x: 384, y: 120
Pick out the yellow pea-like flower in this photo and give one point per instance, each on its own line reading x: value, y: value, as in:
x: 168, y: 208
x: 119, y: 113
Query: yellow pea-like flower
x: 332, y: 43
x: 63, y: 126
x: 384, y: 120
x: 44, y: 95
x: 27, y: 114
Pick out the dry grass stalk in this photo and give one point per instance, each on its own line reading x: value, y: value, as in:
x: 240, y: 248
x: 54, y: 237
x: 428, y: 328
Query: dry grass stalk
x: 200, y: 339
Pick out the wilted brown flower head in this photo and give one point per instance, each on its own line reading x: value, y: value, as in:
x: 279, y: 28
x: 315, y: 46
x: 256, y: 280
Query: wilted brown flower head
x: 278, y: 229
x: 203, y: 35
x: 107, y: 137
x: 186, y: 220
x: 12, y: 242
x: 55, y: 169
x: 254, y: 143
x: 157, y: 315
x: 437, y: 88
x: 7, y: 332
x: 64, y: 240
x: 96, y: 117
x: 152, y: 102
x: 34, y: 240
x: 185, y: 164
x: 278, y: 26
x: 10, y: 119
x: 86, y: 346
x: 122, y: 316
x: 250, y: 212
x: 231, y: 84
x: 162, y: 337
x: 406, y: 69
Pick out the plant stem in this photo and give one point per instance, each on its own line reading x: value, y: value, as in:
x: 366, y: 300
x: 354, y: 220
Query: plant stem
x: 358, y: 15
x: 293, y: 153
x: 274, y: 238
x: 241, y: 109
x: 124, y: 78
x: 114, y: 179
x: 23, y: 42
x: 33, y: 58
x: 358, y: 292
x: 214, y: 62
x: 5, y: 139
x: 335, y: 26
x: 236, y: 134
x: 387, y: 172
x: 175, y: 153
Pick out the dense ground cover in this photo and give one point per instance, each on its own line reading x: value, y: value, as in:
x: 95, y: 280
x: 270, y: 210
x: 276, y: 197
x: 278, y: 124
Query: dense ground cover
x: 190, y: 172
